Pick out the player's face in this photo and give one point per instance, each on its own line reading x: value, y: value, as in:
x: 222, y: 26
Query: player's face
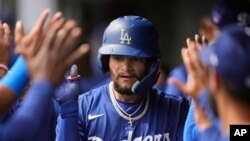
x: 125, y: 71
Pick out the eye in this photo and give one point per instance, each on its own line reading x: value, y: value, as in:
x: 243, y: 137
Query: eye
x: 118, y: 58
x: 137, y: 59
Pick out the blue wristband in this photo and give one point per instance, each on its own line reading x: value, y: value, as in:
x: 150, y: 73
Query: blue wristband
x: 17, y: 78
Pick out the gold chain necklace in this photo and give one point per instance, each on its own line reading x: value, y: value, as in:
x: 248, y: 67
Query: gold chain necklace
x: 124, y: 114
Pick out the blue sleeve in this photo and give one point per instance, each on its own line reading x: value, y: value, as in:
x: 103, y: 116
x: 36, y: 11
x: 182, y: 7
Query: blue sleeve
x: 191, y: 132
x: 212, y: 134
x: 27, y: 121
x: 204, y: 103
x: 18, y: 72
x: 67, y: 126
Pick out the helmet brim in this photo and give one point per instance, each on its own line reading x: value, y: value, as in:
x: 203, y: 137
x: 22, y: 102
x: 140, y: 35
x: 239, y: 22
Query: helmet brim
x: 123, y: 50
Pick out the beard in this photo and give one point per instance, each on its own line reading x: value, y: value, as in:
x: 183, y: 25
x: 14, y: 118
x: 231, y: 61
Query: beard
x: 122, y: 90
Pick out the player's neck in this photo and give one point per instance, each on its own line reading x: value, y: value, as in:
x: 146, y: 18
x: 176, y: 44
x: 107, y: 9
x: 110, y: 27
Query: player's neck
x: 234, y: 113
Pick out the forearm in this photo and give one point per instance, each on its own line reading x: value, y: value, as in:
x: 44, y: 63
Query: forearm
x: 27, y: 121
x: 12, y: 84
x: 7, y: 98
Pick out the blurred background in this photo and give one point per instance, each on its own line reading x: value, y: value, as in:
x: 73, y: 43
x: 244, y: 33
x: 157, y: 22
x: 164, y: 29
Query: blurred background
x: 175, y: 19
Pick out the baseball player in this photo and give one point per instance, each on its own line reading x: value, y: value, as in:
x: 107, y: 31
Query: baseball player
x: 128, y: 108
x: 228, y: 84
x: 224, y: 13
x: 222, y: 16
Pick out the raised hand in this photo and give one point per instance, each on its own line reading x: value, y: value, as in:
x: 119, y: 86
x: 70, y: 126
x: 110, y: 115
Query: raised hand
x: 70, y: 90
x: 197, y: 79
x: 196, y: 71
x: 50, y: 50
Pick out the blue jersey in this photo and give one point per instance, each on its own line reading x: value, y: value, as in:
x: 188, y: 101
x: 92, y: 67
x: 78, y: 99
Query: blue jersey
x: 99, y: 121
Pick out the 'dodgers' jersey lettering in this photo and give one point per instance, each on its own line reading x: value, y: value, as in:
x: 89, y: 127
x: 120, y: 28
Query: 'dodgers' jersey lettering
x: 157, y: 137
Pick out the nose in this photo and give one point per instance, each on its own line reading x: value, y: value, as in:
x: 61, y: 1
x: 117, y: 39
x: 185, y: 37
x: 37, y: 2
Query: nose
x: 126, y: 65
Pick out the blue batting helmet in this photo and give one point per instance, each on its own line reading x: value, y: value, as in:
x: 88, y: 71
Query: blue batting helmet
x: 226, y: 12
x: 132, y: 36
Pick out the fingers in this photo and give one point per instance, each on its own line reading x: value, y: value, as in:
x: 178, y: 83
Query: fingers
x: 65, y: 38
x: 193, y: 54
x: 52, y: 34
x: 54, y: 19
x: 71, y: 40
x: 186, y: 60
x: 198, y: 41
x: 6, y: 35
x: 40, y: 23
x: 51, y: 30
x: 180, y: 85
x: 36, y: 31
x: 19, y: 39
x: 74, y: 56
x: 19, y: 32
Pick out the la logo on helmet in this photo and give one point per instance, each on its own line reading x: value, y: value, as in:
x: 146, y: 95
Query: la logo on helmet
x: 125, y: 37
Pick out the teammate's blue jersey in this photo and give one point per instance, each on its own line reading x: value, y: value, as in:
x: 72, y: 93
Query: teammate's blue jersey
x: 27, y: 122
x: 47, y: 131
x: 99, y: 121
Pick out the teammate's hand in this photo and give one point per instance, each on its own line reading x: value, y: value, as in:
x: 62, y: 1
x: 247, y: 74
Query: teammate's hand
x: 70, y: 90
x: 50, y: 50
x: 196, y: 70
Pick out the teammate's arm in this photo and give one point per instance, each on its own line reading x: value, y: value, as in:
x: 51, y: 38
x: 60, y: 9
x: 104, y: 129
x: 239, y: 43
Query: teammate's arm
x: 43, y: 51
x: 10, y: 88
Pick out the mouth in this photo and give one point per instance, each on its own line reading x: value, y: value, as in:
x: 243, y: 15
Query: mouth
x: 127, y: 77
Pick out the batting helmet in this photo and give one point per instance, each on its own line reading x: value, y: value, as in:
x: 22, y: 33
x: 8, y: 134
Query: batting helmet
x: 226, y: 12
x: 132, y: 36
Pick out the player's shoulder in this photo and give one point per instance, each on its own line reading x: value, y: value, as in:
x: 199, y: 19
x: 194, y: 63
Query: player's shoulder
x: 95, y: 93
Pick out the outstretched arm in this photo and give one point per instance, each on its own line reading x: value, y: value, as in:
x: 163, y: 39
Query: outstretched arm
x: 48, y: 47
x: 10, y: 89
x: 196, y: 83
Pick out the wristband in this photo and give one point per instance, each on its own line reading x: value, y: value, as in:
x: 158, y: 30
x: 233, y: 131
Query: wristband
x: 2, y: 66
x: 17, y: 78
x: 3, y: 70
